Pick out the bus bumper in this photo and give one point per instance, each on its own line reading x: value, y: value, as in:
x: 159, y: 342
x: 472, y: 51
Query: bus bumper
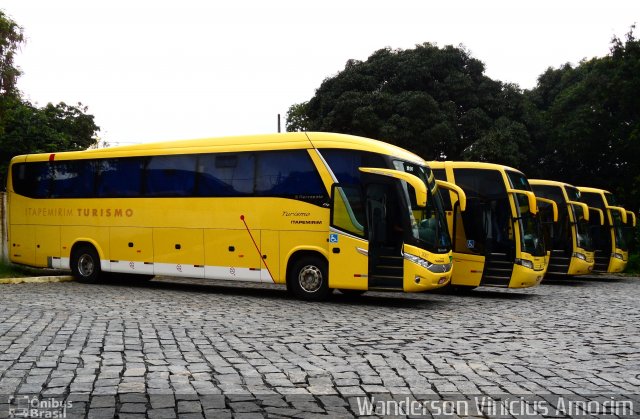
x: 618, y: 261
x: 418, y: 278
x: 579, y: 266
x: 523, y: 277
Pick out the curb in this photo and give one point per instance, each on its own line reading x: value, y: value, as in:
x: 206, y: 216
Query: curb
x: 36, y: 279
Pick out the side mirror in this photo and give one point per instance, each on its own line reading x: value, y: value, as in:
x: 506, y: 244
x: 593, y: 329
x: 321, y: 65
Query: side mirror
x: 531, y: 198
x: 415, y: 181
x: 462, y: 197
x: 600, y: 212
x: 622, y: 211
x: 553, y: 205
x: 585, y: 209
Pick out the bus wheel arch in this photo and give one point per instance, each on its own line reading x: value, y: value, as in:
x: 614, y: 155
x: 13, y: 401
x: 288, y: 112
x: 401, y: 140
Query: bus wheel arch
x: 308, y: 275
x: 84, y: 262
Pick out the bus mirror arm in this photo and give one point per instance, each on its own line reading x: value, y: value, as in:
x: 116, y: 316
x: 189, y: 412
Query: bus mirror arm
x: 622, y: 211
x: 553, y: 205
x: 585, y: 208
x: 633, y: 218
x: 413, y: 180
x: 533, y: 207
x: 600, y: 212
x: 462, y: 197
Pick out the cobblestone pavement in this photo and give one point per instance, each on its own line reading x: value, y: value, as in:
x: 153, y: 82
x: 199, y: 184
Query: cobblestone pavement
x: 176, y: 348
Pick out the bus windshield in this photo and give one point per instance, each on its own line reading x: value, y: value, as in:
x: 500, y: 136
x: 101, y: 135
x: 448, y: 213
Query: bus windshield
x: 583, y: 237
x: 530, y: 228
x: 428, y: 224
x: 621, y: 231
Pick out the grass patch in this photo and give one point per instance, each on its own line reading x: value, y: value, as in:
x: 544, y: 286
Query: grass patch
x: 9, y: 270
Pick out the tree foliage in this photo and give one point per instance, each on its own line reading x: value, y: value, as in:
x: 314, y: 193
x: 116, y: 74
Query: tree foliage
x: 434, y: 101
x: 580, y: 124
x: 590, y: 130
x: 29, y: 129
x: 11, y: 37
x: 26, y: 128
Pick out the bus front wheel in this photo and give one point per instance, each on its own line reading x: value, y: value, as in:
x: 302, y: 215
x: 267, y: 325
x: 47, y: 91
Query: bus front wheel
x: 308, y: 279
x: 85, y: 264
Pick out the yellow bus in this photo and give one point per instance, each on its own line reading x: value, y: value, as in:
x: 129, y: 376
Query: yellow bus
x: 498, y: 240
x: 570, y: 241
x: 611, y: 240
x: 313, y: 211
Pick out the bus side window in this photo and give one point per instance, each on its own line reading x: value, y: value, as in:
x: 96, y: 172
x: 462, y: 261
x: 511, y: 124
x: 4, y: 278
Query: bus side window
x: 287, y: 173
x: 121, y: 177
x: 226, y: 174
x: 32, y: 179
x: 73, y: 179
x: 171, y: 176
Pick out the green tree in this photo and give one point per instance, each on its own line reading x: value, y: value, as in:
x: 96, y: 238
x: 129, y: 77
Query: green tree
x: 11, y: 37
x: 590, y: 122
x: 434, y: 101
x: 297, y: 118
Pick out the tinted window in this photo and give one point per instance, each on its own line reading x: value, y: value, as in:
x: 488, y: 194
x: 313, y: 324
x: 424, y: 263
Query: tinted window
x: 73, y: 179
x: 119, y: 177
x: 171, y: 176
x: 487, y: 217
x: 32, y: 179
x: 553, y: 193
x: 572, y: 193
x: 288, y: 173
x: 518, y: 180
x: 592, y: 199
x: 440, y: 174
x: 226, y: 174
x: 345, y: 163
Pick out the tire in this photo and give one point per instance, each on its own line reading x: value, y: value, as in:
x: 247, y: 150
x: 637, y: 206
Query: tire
x: 352, y: 293
x: 309, y: 279
x: 85, y: 264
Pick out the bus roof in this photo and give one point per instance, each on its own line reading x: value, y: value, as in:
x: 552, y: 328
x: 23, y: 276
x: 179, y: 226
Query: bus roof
x: 593, y: 190
x: 471, y: 165
x: 280, y: 141
x: 549, y: 183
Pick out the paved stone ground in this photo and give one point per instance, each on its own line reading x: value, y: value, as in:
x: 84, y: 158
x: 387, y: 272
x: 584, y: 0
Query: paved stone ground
x: 176, y: 348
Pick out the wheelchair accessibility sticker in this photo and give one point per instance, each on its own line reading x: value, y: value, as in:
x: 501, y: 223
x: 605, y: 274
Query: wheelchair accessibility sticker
x: 333, y: 238
x: 471, y: 244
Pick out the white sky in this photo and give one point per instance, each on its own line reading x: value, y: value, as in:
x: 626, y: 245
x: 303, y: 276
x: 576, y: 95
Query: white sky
x: 153, y: 70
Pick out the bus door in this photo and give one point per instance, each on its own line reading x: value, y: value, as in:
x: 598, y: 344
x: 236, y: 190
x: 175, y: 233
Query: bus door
x: 348, y: 244
x: 366, y: 238
x: 484, y: 239
x: 386, y: 235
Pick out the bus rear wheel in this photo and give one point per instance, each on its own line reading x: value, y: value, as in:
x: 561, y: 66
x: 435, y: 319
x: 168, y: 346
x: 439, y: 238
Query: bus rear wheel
x: 308, y: 279
x: 85, y: 264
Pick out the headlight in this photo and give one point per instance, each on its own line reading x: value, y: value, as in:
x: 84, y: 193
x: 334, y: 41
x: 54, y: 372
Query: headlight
x: 618, y: 256
x: 525, y: 263
x: 432, y: 267
x: 580, y: 256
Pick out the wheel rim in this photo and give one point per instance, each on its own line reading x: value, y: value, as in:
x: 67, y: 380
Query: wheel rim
x: 86, y: 265
x: 310, y: 278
